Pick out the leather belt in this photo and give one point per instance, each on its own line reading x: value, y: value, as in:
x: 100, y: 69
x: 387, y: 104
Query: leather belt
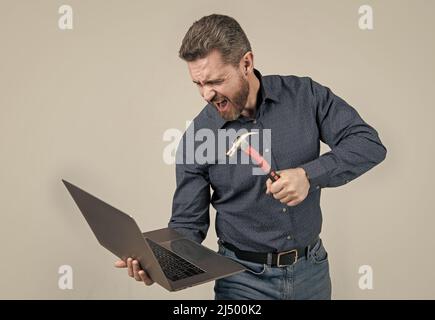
x: 274, y: 259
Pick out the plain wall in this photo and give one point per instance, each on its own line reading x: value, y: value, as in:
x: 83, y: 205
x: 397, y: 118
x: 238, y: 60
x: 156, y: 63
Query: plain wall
x: 91, y: 105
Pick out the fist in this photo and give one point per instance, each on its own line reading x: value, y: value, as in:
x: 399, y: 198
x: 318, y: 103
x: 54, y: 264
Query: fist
x: 291, y: 189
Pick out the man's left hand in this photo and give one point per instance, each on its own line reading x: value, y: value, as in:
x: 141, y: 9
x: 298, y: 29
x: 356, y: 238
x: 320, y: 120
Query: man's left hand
x: 291, y: 189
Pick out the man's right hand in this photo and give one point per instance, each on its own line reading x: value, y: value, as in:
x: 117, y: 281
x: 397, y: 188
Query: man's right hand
x: 134, y: 270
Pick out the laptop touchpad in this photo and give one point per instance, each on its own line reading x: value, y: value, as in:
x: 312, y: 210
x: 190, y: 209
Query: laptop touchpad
x: 189, y: 249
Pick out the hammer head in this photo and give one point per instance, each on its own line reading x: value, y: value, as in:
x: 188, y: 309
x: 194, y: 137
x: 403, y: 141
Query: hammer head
x: 239, y: 143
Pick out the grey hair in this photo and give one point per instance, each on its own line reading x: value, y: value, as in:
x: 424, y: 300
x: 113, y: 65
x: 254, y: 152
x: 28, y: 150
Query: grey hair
x: 215, y: 32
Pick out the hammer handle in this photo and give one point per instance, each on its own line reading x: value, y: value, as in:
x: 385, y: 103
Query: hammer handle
x: 273, y: 176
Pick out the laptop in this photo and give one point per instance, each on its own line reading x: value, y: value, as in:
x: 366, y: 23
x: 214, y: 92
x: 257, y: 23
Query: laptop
x: 169, y: 258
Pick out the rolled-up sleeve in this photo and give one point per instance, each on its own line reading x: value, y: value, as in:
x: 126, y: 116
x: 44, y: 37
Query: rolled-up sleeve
x: 355, y: 145
x: 191, y: 202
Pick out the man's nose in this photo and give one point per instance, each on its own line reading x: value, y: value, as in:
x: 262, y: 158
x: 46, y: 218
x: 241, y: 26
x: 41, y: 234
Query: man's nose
x: 208, y: 94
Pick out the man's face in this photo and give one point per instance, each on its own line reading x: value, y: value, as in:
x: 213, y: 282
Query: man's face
x: 223, y: 85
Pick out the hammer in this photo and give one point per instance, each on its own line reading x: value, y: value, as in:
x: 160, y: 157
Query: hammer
x: 241, y: 143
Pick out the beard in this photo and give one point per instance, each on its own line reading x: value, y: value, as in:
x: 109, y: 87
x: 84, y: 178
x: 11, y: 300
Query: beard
x: 237, y: 104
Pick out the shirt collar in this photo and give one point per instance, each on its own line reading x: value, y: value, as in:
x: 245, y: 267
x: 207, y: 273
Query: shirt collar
x: 265, y: 87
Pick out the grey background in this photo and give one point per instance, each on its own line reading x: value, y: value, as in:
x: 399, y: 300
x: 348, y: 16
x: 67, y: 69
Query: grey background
x: 91, y: 105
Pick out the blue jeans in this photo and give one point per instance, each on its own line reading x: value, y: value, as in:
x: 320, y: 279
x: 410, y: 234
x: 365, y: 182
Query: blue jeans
x: 308, y: 278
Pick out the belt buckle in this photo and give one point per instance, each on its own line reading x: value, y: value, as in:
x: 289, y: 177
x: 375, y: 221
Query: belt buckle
x: 286, y: 252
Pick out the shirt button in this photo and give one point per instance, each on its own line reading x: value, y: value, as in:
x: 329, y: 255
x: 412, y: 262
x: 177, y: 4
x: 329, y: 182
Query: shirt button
x: 317, y: 187
x: 255, y: 121
x: 266, y: 150
x: 284, y: 209
x: 289, y: 237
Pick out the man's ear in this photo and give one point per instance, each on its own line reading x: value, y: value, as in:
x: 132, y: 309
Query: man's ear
x: 247, y: 62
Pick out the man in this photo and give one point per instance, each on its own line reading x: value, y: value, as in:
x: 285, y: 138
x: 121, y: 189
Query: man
x: 271, y: 228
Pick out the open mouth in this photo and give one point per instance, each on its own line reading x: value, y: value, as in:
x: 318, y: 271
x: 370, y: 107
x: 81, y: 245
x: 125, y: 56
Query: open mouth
x: 222, y: 105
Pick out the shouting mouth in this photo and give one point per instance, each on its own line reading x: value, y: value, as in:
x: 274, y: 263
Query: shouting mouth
x: 222, y: 105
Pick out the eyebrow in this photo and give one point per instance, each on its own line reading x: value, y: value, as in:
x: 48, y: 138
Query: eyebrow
x: 210, y: 81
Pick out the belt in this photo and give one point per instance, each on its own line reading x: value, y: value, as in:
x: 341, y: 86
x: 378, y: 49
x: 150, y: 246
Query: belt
x: 274, y: 259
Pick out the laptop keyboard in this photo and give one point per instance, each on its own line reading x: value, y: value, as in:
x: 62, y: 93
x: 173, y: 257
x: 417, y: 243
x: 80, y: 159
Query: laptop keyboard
x: 174, y: 267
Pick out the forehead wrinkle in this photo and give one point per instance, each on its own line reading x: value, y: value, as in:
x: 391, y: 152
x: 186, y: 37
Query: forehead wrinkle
x: 208, y: 78
x: 202, y: 70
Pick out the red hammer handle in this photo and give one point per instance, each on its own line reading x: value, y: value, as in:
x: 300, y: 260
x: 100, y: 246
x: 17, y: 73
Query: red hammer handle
x: 264, y: 165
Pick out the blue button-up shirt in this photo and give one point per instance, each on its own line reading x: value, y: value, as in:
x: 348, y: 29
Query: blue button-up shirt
x: 299, y: 113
